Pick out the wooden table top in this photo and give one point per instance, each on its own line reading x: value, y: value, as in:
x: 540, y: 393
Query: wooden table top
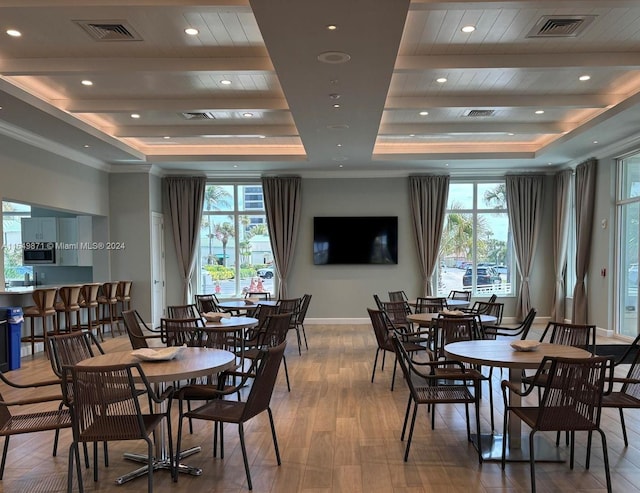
x: 499, y: 353
x: 425, y: 318
x: 450, y: 303
x: 232, y: 323
x: 241, y: 305
x: 191, y: 362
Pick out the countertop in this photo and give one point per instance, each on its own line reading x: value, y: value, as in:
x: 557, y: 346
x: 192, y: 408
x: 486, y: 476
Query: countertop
x: 31, y: 289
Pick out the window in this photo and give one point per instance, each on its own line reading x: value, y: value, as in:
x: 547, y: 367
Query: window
x: 476, y: 250
x: 628, y: 224
x: 15, y: 274
x: 235, y: 249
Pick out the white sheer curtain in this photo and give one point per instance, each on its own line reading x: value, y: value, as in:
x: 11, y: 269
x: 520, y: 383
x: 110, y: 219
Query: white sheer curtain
x: 185, y: 197
x: 585, y: 205
x: 524, y: 204
x: 560, y: 241
x: 282, y: 202
x: 428, y: 196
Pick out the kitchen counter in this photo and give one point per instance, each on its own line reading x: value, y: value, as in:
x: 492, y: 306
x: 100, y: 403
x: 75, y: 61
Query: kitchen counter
x: 30, y: 289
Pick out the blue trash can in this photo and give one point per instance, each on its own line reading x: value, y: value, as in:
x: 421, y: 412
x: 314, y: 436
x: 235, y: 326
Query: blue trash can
x: 15, y: 319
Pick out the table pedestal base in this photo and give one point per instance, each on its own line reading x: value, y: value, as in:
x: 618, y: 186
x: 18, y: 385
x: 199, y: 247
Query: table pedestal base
x: 159, y: 464
x: 491, y: 448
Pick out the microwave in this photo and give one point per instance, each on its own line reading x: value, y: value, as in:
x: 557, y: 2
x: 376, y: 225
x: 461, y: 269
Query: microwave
x: 40, y: 255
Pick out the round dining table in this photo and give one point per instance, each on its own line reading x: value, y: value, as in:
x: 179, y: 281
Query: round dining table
x: 238, y: 305
x: 499, y: 353
x: 424, y: 319
x: 450, y: 303
x: 190, y: 362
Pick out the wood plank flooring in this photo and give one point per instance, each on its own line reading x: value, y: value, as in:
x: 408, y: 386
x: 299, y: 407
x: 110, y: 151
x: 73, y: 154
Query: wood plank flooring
x: 337, y: 432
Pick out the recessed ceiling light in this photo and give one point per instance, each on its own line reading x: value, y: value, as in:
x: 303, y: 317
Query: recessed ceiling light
x: 412, y: 135
x: 334, y: 96
x: 262, y: 136
x: 86, y: 146
x: 14, y: 32
x: 510, y: 134
x: 424, y: 113
x: 585, y: 77
x: 87, y: 82
x: 595, y: 141
x: 468, y: 29
x: 135, y: 115
x: 341, y: 166
x: 225, y: 82
x: 446, y: 164
x: 166, y: 137
x: 548, y: 164
x: 334, y: 57
x: 191, y: 31
x: 441, y: 80
x: 336, y: 105
x: 331, y: 27
x: 247, y: 115
x: 338, y: 145
x: 539, y: 112
x: 235, y: 165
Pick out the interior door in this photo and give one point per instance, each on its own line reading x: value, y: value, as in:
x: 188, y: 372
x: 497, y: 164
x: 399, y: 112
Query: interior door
x: 158, y: 295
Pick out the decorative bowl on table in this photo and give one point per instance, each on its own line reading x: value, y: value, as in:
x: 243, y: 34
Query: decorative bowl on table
x: 525, y: 345
x: 159, y: 354
x: 453, y: 313
x: 215, y: 316
x: 250, y: 301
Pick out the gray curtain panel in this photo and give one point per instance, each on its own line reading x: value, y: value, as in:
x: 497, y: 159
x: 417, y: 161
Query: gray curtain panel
x: 186, y: 197
x: 560, y: 241
x: 282, y: 202
x: 428, y: 196
x: 585, y: 204
x: 524, y: 205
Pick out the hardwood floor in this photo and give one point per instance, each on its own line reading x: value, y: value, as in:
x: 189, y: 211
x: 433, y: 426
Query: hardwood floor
x: 337, y: 432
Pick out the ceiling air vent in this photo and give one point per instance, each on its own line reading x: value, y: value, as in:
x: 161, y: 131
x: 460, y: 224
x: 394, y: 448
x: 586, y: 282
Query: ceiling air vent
x: 109, y: 30
x: 553, y: 26
x: 198, y: 115
x: 477, y: 113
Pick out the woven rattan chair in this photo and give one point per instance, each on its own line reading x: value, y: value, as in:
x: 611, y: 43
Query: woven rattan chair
x: 519, y: 331
x: 183, y: 311
x: 571, y: 402
x: 383, y: 329
x: 261, y: 295
x: 398, y: 296
x: 292, y: 306
x: 106, y: 407
x: 138, y: 331
x: 426, y: 387
x: 183, y: 332
x: 300, y: 316
x: 264, y: 371
x: 16, y: 424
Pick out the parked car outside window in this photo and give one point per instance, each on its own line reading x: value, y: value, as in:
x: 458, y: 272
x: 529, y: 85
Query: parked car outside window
x: 484, y: 276
x: 265, y: 272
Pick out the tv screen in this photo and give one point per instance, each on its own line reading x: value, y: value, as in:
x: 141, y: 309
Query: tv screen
x: 355, y: 240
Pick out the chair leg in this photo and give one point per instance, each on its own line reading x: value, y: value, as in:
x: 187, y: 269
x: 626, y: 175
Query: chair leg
x: 406, y: 419
x: 393, y: 377
x: 605, y: 458
x: 413, y: 422
x: 304, y: 334
x: 624, y: 429
x: 4, y: 455
x: 532, y: 463
x: 273, y: 433
x: 244, y: 455
x: 150, y: 465
x: 286, y: 372
x: 375, y: 363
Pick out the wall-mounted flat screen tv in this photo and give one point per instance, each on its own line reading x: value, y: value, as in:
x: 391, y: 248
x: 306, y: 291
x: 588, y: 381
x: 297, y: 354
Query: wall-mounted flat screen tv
x: 355, y: 240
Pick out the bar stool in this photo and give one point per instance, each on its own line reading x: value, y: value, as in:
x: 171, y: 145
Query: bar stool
x: 68, y: 305
x: 107, y: 306
x: 43, y: 309
x: 123, y: 295
x: 89, y: 302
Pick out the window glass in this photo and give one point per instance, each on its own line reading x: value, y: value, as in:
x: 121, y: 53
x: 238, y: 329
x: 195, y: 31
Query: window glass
x: 15, y: 273
x: 235, y: 249
x: 476, y: 248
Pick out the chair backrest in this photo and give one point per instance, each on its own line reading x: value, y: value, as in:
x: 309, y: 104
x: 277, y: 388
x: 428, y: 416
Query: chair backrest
x: 304, y: 306
x: 182, y: 331
x: 452, y: 329
x: 398, y: 296
x: 207, y: 303
x: 430, y: 305
x: 69, y: 296
x: 263, y: 312
x: 459, y: 295
x: 572, y: 396
x: 266, y: 371
x: 109, y: 292
x: 275, y: 330
x: 527, y: 323
x: 291, y: 305
x: 397, y: 312
x: 70, y: 349
x: 378, y: 301
x: 631, y: 386
x: 182, y: 311
x: 105, y: 402
x: 45, y: 299
x: 493, y: 298
x: 489, y: 308
x: 381, y: 327
x: 134, y: 324
x: 579, y: 335
x: 123, y: 291
x: 89, y: 294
